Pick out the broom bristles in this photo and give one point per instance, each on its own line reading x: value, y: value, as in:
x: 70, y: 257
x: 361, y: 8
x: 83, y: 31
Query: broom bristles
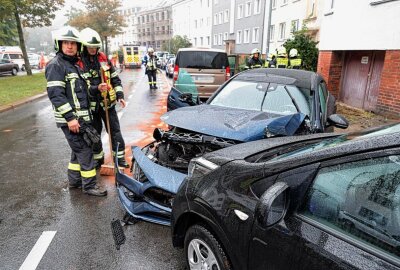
x: 107, y: 170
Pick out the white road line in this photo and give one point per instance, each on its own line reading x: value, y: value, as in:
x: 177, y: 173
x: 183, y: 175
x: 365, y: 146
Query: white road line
x: 37, y: 252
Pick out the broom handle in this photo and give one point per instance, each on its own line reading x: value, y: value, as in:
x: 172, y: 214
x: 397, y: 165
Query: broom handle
x: 104, y: 94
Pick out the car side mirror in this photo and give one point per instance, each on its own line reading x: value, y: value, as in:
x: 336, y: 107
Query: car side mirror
x: 273, y: 205
x: 338, y: 121
x: 187, y: 98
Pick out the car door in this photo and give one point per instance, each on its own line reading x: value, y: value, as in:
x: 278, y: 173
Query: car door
x: 272, y: 248
x: 350, y: 217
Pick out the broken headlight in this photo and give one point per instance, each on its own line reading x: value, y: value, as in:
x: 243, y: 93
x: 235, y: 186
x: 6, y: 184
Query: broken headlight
x: 200, y: 166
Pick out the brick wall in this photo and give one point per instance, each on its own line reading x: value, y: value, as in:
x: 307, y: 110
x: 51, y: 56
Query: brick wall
x: 389, y: 89
x: 330, y: 67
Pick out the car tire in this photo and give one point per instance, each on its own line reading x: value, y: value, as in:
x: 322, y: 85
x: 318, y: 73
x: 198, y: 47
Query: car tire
x: 23, y: 68
x: 14, y: 71
x: 201, y: 247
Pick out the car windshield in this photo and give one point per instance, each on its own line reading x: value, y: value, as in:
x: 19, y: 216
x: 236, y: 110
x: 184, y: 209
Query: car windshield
x: 262, y: 96
x: 339, y: 140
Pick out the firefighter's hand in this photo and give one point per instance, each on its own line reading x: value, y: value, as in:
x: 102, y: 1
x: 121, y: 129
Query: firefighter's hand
x: 102, y: 87
x: 74, y: 126
x: 122, y: 102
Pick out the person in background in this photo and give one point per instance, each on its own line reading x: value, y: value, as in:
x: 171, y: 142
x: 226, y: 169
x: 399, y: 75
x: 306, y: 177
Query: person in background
x: 295, y: 60
x: 255, y: 61
x: 150, y: 62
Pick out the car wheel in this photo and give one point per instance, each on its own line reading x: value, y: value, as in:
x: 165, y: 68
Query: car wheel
x: 23, y: 68
x: 14, y: 71
x: 203, y: 251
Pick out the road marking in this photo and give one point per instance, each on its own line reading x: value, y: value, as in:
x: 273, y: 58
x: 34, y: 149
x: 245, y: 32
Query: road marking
x: 38, y: 250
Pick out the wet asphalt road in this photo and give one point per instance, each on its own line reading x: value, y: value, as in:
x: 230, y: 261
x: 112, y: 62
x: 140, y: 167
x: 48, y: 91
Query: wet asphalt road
x: 34, y: 198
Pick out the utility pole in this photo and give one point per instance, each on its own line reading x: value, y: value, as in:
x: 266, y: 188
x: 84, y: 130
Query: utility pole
x: 268, y: 25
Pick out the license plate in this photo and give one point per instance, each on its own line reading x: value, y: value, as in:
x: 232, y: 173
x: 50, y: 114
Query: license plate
x: 203, y: 79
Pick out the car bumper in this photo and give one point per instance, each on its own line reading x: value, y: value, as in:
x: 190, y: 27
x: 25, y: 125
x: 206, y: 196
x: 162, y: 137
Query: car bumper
x: 137, y: 197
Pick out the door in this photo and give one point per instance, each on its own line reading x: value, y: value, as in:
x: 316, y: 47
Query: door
x: 361, y: 78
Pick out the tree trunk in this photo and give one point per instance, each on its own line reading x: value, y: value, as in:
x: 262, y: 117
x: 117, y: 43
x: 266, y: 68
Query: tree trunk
x: 22, y: 42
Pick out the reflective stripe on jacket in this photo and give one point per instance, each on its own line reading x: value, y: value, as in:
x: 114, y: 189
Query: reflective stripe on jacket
x: 282, y: 62
x: 67, y: 90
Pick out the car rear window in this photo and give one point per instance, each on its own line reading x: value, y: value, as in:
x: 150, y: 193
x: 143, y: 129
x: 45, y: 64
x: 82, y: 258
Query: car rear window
x: 202, y: 59
x: 15, y: 56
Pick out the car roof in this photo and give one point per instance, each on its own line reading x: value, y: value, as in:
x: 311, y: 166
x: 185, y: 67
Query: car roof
x: 299, y: 78
x: 200, y: 49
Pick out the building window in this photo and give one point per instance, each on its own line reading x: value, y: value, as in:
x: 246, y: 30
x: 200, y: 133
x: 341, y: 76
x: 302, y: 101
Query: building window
x: 201, y: 22
x: 215, y: 40
x: 220, y: 15
x: 248, y: 9
x: 294, y: 26
x: 256, y: 34
x: 239, y: 37
x: 226, y: 36
x: 329, y: 7
x: 257, y: 6
x: 284, y: 2
x: 220, y: 39
x: 208, y: 41
x: 201, y: 41
x: 226, y: 15
x: 208, y: 21
x: 273, y: 4
x: 246, y: 35
x: 240, y: 12
x: 195, y: 23
x: 311, y: 12
x: 282, y: 28
x: 215, y: 19
x: 195, y: 41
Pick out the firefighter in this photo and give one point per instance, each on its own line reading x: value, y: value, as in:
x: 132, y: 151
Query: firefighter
x: 282, y: 61
x: 255, y: 61
x: 271, y: 63
x: 295, y: 60
x: 93, y: 61
x: 68, y: 93
x: 150, y: 62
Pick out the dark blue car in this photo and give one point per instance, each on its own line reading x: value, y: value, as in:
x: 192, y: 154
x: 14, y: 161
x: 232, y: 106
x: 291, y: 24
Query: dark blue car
x: 253, y: 105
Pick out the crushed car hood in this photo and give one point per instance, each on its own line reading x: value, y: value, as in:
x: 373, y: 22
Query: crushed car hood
x: 234, y: 124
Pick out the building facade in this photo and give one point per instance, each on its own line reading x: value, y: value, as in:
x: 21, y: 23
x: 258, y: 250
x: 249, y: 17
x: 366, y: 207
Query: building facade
x: 129, y: 33
x: 360, y: 53
x: 192, y: 18
x: 238, y: 25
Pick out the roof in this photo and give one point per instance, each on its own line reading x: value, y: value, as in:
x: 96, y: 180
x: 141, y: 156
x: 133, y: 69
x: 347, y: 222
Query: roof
x: 299, y: 78
x: 200, y: 49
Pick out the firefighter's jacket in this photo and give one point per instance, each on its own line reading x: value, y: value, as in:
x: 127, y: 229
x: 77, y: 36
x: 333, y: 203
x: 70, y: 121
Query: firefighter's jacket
x: 282, y: 62
x: 295, y: 63
x: 255, y: 63
x: 93, y: 73
x: 150, y: 62
x: 67, y: 90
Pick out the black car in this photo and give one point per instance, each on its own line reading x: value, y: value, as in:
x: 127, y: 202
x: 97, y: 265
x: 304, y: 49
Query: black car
x: 320, y: 201
x: 6, y: 67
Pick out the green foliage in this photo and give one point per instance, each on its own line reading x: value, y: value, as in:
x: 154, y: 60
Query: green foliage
x: 306, y: 47
x: 8, y: 32
x: 100, y: 15
x: 15, y: 88
x: 176, y: 43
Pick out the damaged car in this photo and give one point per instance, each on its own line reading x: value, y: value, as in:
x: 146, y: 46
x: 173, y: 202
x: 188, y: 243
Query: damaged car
x: 253, y: 105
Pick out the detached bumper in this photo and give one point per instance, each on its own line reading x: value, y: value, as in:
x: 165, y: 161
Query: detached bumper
x: 144, y: 200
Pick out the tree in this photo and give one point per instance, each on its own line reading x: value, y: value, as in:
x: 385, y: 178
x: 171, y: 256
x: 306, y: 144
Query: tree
x: 29, y: 13
x: 174, y: 44
x: 306, y: 47
x: 8, y: 32
x: 100, y: 15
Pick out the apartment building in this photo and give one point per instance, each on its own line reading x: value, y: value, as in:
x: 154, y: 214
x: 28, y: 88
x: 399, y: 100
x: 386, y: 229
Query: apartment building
x: 360, y: 53
x: 238, y: 25
x: 129, y: 33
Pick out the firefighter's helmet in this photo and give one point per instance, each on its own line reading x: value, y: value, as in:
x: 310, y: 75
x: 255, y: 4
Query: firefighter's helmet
x: 90, y: 38
x: 293, y: 53
x: 282, y: 52
x: 150, y: 50
x: 255, y: 51
x: 67, y: 33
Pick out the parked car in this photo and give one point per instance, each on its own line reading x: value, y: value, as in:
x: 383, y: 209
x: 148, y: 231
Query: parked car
x: 34, y: 60
x: 14, y: 55
x: 200, y: 71
x: 169, y: 67
x: 253, y: 105
x: 165, y: 59
x: 311, y: 202
x: 6, y: 67
x: 159, y: 55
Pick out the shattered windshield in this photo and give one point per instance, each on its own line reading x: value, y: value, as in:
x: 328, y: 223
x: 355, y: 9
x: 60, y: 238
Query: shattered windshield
x: 261, y: 96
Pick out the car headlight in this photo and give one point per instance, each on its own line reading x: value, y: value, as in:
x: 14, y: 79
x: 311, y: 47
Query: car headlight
x: 200, y: 166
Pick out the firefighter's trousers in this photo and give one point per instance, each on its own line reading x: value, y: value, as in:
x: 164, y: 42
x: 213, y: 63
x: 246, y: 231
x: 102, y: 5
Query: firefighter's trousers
x: 152, y: 76
x: 81, y: 166
x: 99, y: 118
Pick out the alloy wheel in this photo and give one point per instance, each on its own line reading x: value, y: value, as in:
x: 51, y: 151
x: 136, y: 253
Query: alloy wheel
x: 201, y: 257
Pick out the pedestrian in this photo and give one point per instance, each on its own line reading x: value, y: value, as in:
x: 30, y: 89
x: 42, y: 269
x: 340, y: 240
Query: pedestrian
x: 150, y: 63
x: 94, y: 62
x: 295, y: 60
x: 255, y: 61
x: 282, y: 60
x: 68, y: 93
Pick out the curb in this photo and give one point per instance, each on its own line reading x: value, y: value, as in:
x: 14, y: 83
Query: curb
x: 18, y: 103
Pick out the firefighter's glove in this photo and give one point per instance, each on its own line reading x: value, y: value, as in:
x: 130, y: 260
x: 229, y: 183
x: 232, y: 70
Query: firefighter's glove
x: 89, y: 133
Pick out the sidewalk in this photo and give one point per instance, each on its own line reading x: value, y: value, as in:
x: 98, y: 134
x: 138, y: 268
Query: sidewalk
x: 18, y: 103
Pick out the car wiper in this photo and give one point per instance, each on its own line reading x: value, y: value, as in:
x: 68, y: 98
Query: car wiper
x: 293, y: 101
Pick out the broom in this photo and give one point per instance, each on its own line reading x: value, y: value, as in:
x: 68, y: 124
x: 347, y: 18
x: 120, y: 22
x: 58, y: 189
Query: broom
x: 107, y: 169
